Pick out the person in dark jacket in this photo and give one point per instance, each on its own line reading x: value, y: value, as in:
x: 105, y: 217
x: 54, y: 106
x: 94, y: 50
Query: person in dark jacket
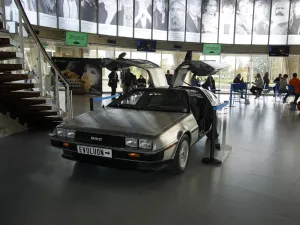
x: 169, y: 77
x: 239, y: 80
x: 141, y: 82
x: 209, y: 84
x: 266, y: 80
x: 113, y: 82
x: 276, y: 81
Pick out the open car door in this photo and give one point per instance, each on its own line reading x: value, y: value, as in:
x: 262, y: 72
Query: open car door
x: 200, y: 68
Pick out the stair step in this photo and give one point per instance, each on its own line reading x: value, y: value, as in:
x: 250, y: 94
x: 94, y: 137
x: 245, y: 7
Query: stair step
x: 6, y: 87
x: 6, y: 42
x: 8, y: 77
x: 22, y: 94
x: 10, y: 67
x: 38, y: 119
x: 42, y: 113
x: 37, y: 107
x: 10, y: 55
x: 32, y: 101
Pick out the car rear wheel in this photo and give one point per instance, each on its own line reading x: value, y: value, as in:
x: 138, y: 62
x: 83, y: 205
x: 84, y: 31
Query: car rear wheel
x: 182, y: 156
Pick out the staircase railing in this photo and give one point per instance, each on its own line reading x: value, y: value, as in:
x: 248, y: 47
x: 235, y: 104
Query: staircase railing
x: 58, y: 77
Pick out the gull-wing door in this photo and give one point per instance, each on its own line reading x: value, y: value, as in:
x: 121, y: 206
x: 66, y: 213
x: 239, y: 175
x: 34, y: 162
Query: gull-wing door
x: 200, y: 68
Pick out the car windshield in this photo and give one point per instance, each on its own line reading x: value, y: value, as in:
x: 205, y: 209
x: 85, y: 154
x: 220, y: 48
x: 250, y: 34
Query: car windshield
x: 158, y: 100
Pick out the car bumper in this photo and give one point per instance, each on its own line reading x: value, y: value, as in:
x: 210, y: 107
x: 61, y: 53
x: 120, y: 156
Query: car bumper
x: 120, y: 159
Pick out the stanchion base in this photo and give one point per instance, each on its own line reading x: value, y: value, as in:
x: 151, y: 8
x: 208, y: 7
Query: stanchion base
x: 214, y: 162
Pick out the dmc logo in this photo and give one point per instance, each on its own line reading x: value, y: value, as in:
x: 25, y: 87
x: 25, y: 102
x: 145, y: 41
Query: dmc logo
x: 96, y: 139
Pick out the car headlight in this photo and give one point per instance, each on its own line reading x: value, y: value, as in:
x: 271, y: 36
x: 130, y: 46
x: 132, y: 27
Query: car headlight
x: 65, y: 133
x: 131, y: 142
x: 145, y: 144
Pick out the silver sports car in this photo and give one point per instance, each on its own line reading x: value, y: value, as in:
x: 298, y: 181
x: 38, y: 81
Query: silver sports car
x: 148, y: 128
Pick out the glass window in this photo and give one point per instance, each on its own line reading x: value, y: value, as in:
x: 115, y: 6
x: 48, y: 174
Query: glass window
x: 228, y: 74
x: 243, y: 24
x: 259, y: 65
x: 143, y: 19
x: 154, y: 57
x: 167, y: 62
x: 125, y: 18
x: 226, y: 28
x: 176, y: 20
x: 279, y: 21
x: 261, y: 23
x: 294, y: 28
x: 210, y: 21
x: 107, y: 16
x: 243, y: 66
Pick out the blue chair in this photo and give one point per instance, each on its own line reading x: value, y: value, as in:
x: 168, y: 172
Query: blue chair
x: 237, y: 90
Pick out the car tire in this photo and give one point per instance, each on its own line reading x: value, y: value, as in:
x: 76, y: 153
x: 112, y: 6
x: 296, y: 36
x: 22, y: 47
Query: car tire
x: 181, y: 158
x: 218, y: 130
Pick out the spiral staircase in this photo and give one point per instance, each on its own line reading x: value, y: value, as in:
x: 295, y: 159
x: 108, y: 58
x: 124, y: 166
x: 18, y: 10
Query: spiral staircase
x: 24, y: 99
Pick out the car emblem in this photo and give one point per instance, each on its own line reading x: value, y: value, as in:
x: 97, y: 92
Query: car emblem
x: 96, y: 139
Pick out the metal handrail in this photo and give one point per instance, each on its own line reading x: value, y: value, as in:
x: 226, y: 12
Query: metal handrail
x: 48, y: 59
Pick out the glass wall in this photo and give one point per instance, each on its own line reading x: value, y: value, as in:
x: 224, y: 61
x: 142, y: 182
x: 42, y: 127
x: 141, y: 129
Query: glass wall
x: 208, y: 21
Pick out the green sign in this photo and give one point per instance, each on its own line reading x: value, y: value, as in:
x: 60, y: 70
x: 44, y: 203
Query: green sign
x: 212, y: 49
x: 76, y: 39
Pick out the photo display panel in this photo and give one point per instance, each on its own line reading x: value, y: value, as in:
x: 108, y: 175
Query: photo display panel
x: 68, y: 12
x: 193, y: 21
x: 143, y: 19
x: 89, y: 16
x: 226, y: 26
x: 47, y: 13
x: 30, y: 8
x: 160, y: 19
x: 107, y: 14
x: 243, y: 21
x: 294, y: 26
x: 279, y: 21
x: 176, y: 20
x: 210, y: 21
x: 11, y: 11
x: 261, y: 22
x: 125, y: 18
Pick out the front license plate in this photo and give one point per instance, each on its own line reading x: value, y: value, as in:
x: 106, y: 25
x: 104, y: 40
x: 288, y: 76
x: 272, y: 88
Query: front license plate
x: 87, y: 150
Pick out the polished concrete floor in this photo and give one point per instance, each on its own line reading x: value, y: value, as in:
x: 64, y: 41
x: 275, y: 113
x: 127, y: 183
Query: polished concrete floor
x: 258, y: 183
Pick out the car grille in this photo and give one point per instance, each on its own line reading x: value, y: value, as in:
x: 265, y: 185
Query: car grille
x: 100, y: 139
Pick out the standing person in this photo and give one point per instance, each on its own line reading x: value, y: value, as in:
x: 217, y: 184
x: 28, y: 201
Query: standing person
x: 193, y: 17
x: 195, y: 81
x: 210, y: 18
x: 169, y: 77
x: 141, y: 82
x: 266, y: 80
x: 283, y: 87
x: 258, y: 86
x: 113, y: 80
x: 127, y: 81
x: 276, y: 81
x: 295, y: 82
x: 239, y: 80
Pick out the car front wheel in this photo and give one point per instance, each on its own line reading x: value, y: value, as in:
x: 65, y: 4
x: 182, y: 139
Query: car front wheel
x: 182, y: 156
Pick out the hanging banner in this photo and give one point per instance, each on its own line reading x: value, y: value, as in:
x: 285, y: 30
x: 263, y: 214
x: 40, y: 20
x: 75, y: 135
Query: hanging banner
x: 84, y: 75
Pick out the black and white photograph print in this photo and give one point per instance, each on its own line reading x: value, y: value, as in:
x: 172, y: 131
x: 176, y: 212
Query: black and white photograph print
x: 193, y: 16
x: 125, y: 13
x: 48, y: 13
x: 68, y: 9
x: 294, y: 28
x: 160, y: 15
x: 11, y: 11
x: 177, y: 15
x: 227, y: 17
x: 89, y: 10
x: 143, y: 17
x: 210, y: 17
x: 31, y: 10
x: 107, y: 10
x: 261, y: 24
x: 280, y: 17
x: 244, y: 17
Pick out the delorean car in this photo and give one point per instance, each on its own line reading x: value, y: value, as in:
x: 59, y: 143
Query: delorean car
x: 148, y: 128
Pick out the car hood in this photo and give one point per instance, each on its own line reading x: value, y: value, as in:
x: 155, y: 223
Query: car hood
x: 116, y: 121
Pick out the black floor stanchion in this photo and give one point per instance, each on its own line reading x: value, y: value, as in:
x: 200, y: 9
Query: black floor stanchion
x: 211, y: 159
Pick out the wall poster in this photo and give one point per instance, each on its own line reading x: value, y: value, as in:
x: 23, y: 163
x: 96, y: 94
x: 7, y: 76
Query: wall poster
x: 294, y: 27
x: 107, y: 14
x: 125, y: 18
x: 210, y: 21
x: 176, y: 20
x: 84, y: 75
x: 193, y: 21
x: 160, y: 19
x: 31, y: 10
x: 47, y: 13
x: 11, y: 11
x: 226, y: 26
x: 261, y: 23
x: 243, y: 22
x: 89, y: 16
x: 68, y: 12
x: 143, y: 19
x: 279, y: 21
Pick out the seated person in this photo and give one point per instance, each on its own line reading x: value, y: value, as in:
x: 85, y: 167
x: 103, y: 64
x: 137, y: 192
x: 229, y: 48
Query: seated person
x: 195, y: 81
x: 209, y: 84
x: 283, y: 87
x: 266, y: 81
x: 238, y: 80
x: 258, y: 86
x: 295, y: 82
x: 276, y: 81
x: 141, y: 82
